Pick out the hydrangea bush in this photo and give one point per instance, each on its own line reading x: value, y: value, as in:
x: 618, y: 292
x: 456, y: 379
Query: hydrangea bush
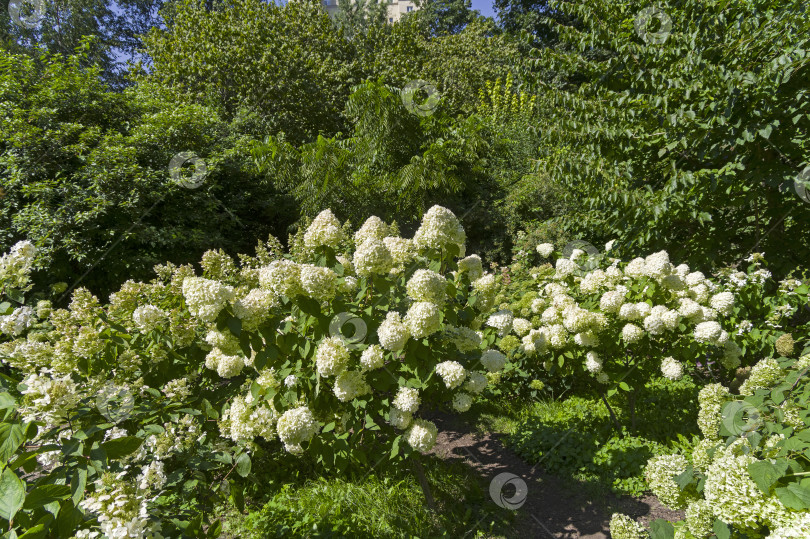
x: 618, y: 322
x: 750, y: 474
x: 125, y: 411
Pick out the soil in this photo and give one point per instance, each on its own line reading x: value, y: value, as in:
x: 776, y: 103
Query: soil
x: 554, y: 508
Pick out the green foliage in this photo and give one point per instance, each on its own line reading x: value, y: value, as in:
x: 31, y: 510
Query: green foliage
x: 696, y: 144
x: 576, y: 438
x: 83, y: 172
x: 764, y: 439
x: 287, y: 65
x: 377, y: 506
x: 360, y: 15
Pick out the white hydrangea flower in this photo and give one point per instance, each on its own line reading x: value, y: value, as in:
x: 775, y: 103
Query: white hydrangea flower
x: 671, y: 319
x: 521, y: 326
x: 657, y: 265
x: 18, y: 321
x: 593, y: 281
x: 152, y: 476
x: 439, y: 229
x: 538, y: 304
x: 349, y: 284
x: 282, y: 277
x: 659, y: 474
x: 407, y: 399
x: 711, y: 399
x: 485, y: 284
x: 422, y: 319
x: 624, y: 527
x: 476, y: 382
x: 296, y: 426
x: 399, y: 419
x: 631, y: 333
x: 373, y: 229
x: 636, y: 268
x: 148, y: 317
x: 421, y: 435
x: 654, y: 324
x: 609, y: 245
x: 392, y: 333
x: 350, y: 384
x: 462, y: 402
x: 318, y: 283
x: 290, y: 380
x: 255, y: 307
x: 586, y: 339
x: 798, y: 527
x: 611, y: 301
x: 695, y: 278
x: 427, y: 285
x: 452, y: 373
x: 593, y: 363
x: 401, y: 249
x: 545, y: 249
x: 206, y: 298
x: 493, y: 360
x: 332, y: 356
x: 372, y: 257
x: 502, y: 321
x: 766, y: 373
x: 671, y: 368
x: 472, y: 266
x: 734, y: 497
x: 230, y: 366
x: 324, y: 231
x: 372, y: 357
x: 690, y: 309
x: 556, y: 335
x: 465, y: 339
x: 565, y: 267
x: 723, y: 302
x: 710, y: 332
x: 699, y: 293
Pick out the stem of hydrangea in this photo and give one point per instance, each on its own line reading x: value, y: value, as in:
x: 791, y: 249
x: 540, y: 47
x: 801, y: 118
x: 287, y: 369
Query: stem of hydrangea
x: 423, y: 482
x: 612, y: 415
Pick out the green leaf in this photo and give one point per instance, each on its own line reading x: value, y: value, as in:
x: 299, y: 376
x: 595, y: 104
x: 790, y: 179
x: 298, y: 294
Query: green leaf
x: 794, y: 496
x: 6, y: 401
x: 661, y: 529
x: 243, y: 465
x: 721, y: 529
x: 121, y: 447
x: 235, y: 326
x: 12, y: 436
x: 68, y: 518
x: 77, y: 484
x: 237, y: 496
x: 685, y: 478
x: 45, y: 494
x: 12, y: 494
x: 765, y: 474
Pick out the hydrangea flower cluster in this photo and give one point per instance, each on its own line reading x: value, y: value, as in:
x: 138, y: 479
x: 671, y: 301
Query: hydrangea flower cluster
x: 616, y: 310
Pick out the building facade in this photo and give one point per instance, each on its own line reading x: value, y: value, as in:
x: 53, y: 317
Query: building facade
x: 396, y: 8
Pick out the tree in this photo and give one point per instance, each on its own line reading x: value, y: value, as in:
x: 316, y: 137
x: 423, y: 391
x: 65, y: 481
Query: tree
x: 275, y: 68
x: 445, y: 17
x: 84, y: 176
x: 690, y: 136
x: 357, y: 16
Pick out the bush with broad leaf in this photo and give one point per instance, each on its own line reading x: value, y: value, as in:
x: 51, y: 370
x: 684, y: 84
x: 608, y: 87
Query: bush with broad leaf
x: 332, y: 354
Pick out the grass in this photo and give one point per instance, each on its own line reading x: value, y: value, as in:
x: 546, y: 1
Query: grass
x: 379, y: 505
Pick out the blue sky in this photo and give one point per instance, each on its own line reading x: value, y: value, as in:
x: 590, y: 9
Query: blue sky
x: 485, y: 7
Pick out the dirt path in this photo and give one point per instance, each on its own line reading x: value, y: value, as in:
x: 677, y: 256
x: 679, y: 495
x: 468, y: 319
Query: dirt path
x: 554, y: 508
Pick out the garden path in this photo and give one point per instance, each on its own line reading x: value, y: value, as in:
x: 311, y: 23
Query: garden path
x: 555, y: 508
